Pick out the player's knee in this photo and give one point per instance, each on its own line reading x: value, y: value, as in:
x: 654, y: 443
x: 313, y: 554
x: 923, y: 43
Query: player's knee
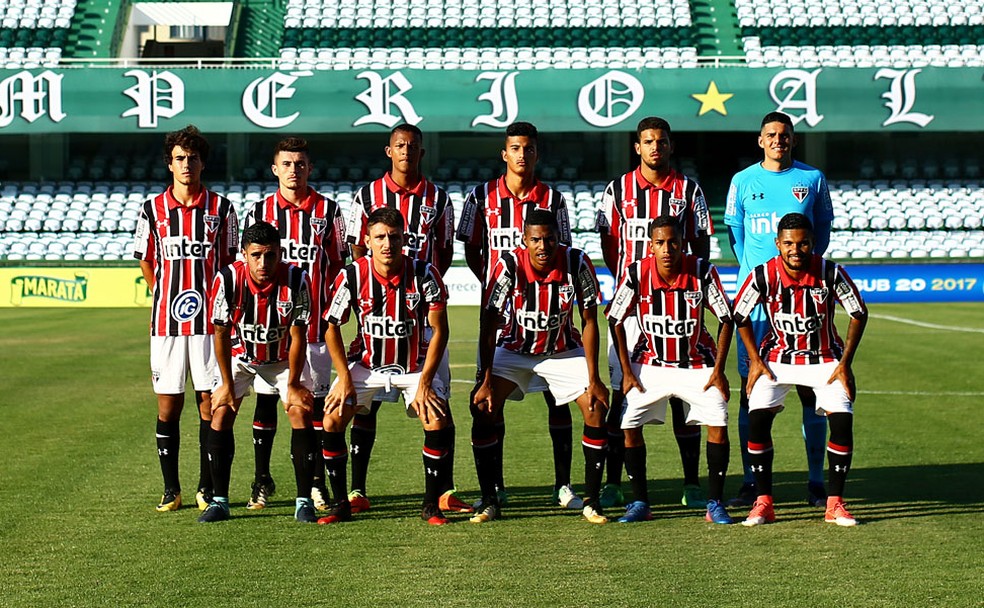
x: 717, y: 434
x: 223, y: 418
x: 841, y: 428
x: 634, y: 438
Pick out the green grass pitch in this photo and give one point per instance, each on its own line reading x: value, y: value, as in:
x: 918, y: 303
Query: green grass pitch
x: 79, y: 479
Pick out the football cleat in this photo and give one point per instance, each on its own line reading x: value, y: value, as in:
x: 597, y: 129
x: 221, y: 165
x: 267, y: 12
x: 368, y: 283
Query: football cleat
x: 746, y: 496
x: 716, y: 513
x: 500, y: 496
x: 216, y: 511
x: 359, y: 501
x: 304, y: 511
x: 566, y: 498
x: 693, y: 497
x: 594, y: 515
x: 837, y: 513
x: 450, y: 502
x: 636, y: 511
x: 203, y: 498
x: 433, y: 515
x: 611, y: 496
x: 485, y: 513
x: 816, y: 495
x: 341, y: 511
x: 171, y: 501
x: 761, y: 513
x: 318, y: 497
x: 262, y: 490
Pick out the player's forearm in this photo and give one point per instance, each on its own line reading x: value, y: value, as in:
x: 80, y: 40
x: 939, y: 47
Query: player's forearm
x: 725, y: 334
x: 473, y: 257
x: 854, y: 332
x: 701, y: 246
x: 590, y: 337
x: 297, y: 356
x: 147, y: 270
x: 223, y: 353
x: 336, y: 350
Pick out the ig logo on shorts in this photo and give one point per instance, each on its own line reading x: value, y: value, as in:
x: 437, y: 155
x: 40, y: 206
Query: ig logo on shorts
x: 186, y: 306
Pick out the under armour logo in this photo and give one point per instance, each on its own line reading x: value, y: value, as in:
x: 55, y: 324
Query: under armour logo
x: 432, y: 472
x: 162, y: 452
x: 354, y: 449
x: 840, y: 468
x: 758, y: 196
x: 757, y: 468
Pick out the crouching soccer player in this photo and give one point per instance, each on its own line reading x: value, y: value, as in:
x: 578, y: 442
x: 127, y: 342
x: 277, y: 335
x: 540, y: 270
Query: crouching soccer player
x: 802, y: 348
x: 260, y: 309
x: 666, y: 293
x: 538, y: 284
x: 391, y: 295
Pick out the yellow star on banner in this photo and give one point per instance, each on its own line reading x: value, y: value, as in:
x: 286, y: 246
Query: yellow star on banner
x: 712, y: 100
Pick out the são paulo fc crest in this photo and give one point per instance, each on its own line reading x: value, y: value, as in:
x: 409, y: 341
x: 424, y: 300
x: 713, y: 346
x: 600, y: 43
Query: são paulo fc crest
x: 318, y: 224
x: 212, y: 222
x: 412, y: 300
x: 676, y: 206
x: 427, y: 212
x: 819, y: 294
x: 693, y: 298
x: 566, y: 292
x: 800, y: 193
x: 284, y: 307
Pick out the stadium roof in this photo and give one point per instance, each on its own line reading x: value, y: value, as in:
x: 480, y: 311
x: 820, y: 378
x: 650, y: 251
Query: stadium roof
x: 182, y: 13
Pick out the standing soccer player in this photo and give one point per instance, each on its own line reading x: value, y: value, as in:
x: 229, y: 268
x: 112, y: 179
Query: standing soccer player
x: 538, y: 285
x: 183, y: 237
x: 492, y: 222
x: 629, y: 204
x: 429, y: 219
x: 260, y: 308
x: 312, y: 236
x: 799, y: 290
x: 665, y: 295
x: 392, y: 296
x: 759, y: 196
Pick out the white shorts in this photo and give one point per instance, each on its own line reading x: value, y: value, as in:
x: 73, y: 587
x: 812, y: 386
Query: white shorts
x: 564, y: 374
x: 173, y: 357
x: 708, y: 407
x: 246, y: 374
x: 831, y: 398
x: 369, y: 383
x: 443, y: 373
x: 537, y: 384
x: 319, y: 365
x: 632, y: 333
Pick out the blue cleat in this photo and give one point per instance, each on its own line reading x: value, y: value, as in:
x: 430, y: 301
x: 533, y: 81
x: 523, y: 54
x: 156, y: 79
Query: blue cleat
x: 636, y: 511
x: 716, y: 513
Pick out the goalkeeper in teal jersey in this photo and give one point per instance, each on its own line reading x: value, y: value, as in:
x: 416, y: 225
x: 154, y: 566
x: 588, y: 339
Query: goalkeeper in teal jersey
x: 758, y: 198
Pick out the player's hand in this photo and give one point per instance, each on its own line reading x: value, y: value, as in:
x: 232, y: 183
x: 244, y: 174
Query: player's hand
x: 481, y: 397
x: 597, y: 396
x: 428, y: 405
x: 223, y: 396
x: 757, y: 369
x: 631, y: 381
x: 342, y: 394
x: 845, y: 374
x: 299, y: 396
x: 719, y: 381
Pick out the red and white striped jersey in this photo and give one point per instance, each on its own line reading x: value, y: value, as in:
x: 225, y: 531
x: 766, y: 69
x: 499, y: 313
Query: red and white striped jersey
x: 391, y: 313
x: 493, y: 218
x: 312, y: 237
x: 671, y: 316
x: 261, y: 315
x: 800, y: 312
x: 186, y: 247
x: 540, y: 308
x: 426, y: 209
x: 631, y: 202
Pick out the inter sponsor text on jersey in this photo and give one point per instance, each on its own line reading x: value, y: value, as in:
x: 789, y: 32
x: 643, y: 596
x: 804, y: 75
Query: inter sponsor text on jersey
x: 540, y: 308
x: 391, y: 313
x: 630, y: 203
x: 493, y: 218
x: 261, y: 316
x: 800, y: 313
x: 186, y: 247
x: 426, y: 209
x: 671, y: 315
x: 312, y: 237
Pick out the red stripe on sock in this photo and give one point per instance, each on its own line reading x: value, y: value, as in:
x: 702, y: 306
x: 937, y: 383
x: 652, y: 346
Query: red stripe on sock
x: 332, y: 455
x: 597, y: 444
x: 435, y: 454
x: 843, y: 449
x: 759, y: 447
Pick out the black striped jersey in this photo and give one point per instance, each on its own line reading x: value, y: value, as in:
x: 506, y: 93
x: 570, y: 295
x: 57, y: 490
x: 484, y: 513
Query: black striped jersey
x: 671, y: 315
x: 493, y: 218
x: 186, y: 247
x: 391, y: 312
x: 312, y: 237
x: 631, y: 202
x: 540, y: 308
x: 800, y: 311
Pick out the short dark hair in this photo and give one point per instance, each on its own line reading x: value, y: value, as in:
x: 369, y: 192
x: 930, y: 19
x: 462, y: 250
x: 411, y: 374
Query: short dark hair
x: 777, y: 117
x: 290, y: 144
x: 665, y: 221
x: 522, y: 129
x: 795, y: 221
x: 387, y: 216
x: 652, y: 122
x: 189, y: 138
x: 407, y: 128
x: 541, y: 217
x: 261, y: 233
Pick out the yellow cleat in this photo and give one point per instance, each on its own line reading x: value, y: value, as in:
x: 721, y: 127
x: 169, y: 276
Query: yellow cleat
x: 171, y: 501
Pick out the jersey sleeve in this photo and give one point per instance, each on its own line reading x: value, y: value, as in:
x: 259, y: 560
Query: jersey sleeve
x: 302, y: 302
x: 433, y: 289
x: 340, y: 304
x: 715, y: 298
x: 700, y: 215
x: 501, y: 284
x: 587, y: 282
x: 626, y: 296
x: 443, y: 241
x: 338, y: 242
x: 749, y: 295
x: 230, y: 236
x: 219, y: 298
x: 471, y: 226
x: 143, y: 238
x: 563, y: 220
x: 355, y: 233
x: 606, y: 217
x: 734, y: 211
x: 848, y: 294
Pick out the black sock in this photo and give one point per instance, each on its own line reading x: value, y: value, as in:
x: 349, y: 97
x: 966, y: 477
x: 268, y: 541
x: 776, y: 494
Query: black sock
x: 500, y: 434
x: 595, y: 444
x: 317, y: 416
x: 760, y: 452
x: 718, y: 455
x: 302, y: 449
x: 561, y: 433
x: 221, y: 451
x: 635, y: 468
x: 264, y: 430
x: 616, y: 440
x: 437, y: 460
x: 204, y: 469
x: 840, y: 449
x: 448, y: 440
x: 168, y: 447
x: 688, y: 442
x: 487, y: 463
x: 336, y: 462
x: 363, y: 437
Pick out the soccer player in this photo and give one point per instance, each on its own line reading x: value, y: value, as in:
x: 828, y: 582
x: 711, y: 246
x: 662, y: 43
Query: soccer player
x: 491, y: 224
x: 392, y: 295
x: 260, y: 308
x: 629, y: 204
x: 538, y: 286
x: 798, y: 289
x: 665, y: 295
x: 183, y: 237
x: 759, y: 196
x: 429, y: 219
x: 312, y: 236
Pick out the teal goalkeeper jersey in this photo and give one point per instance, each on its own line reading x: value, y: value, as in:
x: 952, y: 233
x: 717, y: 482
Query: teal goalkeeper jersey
x: 757, y: 200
